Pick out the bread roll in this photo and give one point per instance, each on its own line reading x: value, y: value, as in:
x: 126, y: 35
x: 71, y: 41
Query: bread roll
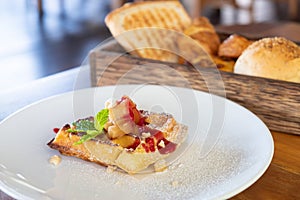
x: 275, y: 58
x: 233, y: 46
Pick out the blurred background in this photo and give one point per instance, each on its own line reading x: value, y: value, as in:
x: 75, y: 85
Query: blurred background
x: 42, y: 37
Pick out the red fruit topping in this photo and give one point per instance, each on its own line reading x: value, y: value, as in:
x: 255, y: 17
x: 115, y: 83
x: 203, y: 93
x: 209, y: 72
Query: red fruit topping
x: 142, y: 121
x: 149, y: 145
x: 159, y: 136
x: 55, y: 130
x: 169, y: 147
x: 145, y: 146
x: 136, y: 143
x: 131, y: 114
x: 150, y: 142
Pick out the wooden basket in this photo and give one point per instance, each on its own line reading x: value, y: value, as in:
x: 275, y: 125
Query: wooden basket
x: 276, y: 102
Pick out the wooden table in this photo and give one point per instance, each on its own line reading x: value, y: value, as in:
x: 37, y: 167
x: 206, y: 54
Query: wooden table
x: 280, y: 181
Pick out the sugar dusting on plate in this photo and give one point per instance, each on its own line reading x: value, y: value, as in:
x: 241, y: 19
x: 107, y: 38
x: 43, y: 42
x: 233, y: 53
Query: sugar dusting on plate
x: 188, y: 177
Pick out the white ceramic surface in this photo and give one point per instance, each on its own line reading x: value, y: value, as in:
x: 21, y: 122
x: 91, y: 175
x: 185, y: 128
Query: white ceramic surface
x: 227, y: 150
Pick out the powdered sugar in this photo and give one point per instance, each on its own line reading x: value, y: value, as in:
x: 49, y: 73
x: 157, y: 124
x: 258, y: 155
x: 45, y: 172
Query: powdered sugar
x: 190, y: 177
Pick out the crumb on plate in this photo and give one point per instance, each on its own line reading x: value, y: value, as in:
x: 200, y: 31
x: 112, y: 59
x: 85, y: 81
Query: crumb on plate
x: 55, y: 160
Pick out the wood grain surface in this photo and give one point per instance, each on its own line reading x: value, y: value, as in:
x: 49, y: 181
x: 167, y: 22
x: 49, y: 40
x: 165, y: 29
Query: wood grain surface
x: 282, y: 178
x: 277, y: 103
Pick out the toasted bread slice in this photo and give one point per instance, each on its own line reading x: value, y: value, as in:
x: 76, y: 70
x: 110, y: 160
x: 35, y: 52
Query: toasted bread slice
x: 159, y: 137
x: 131, y: 24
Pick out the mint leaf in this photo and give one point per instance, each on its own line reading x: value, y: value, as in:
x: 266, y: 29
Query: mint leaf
x: 90, y: 134
x: 74, y: 130
x: 84, y: 124
x: 91, y: 128
x: 100, y: 119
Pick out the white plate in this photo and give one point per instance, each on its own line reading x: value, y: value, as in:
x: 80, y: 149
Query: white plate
x: 227, y: 150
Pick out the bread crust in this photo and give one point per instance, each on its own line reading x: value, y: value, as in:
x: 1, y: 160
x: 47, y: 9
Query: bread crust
x: 63, y: 142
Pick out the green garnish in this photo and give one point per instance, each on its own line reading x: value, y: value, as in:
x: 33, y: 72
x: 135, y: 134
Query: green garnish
x: 92, y: 129
x: 84, y: 125
x: 100, y: 119
x: 90, y: 134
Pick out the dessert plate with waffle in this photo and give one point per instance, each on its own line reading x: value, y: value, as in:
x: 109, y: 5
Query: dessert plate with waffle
x: 216, y: 158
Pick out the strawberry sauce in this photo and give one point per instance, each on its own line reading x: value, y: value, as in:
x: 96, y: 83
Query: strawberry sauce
x: 55, y: 130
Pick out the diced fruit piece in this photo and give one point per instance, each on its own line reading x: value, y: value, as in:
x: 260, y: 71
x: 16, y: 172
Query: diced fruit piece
x: 164, y: 146
x: 127, y: 141
x: 120, y: 115
x: 126, y: 116
x: 114, y: 132
x: 136, y: 143
x: 159, y: 136
x: 107, y: 124
x: 167, y: 147
x: 136, y: 115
